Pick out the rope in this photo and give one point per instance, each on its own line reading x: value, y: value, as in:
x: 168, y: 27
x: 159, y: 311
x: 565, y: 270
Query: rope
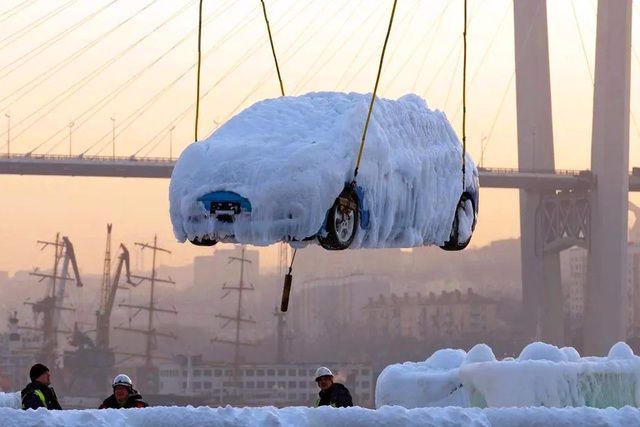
x: 295, y: 251
x: 195, y: 132
x: 464, y: 97
x: 273, y: 50
x: 375, y: 89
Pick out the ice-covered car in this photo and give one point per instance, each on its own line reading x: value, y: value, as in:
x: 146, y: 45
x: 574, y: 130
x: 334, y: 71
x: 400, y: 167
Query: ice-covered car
x: 282, y: 170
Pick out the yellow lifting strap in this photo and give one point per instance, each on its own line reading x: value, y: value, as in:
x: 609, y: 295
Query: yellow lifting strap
x: 198, y: 76
x: 464, y: 96
x: 375, y: 90
x: 273, y: 50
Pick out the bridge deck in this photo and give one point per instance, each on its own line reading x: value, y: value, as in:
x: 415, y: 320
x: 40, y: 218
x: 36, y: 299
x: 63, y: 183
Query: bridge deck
x: 133, y: 167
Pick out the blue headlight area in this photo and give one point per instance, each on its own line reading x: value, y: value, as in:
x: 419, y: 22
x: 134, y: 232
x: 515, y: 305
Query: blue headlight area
x: 225, y: 196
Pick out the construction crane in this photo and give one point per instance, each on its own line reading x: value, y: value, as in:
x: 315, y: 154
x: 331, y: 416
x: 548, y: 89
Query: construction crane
x: 51, y: 305
x: 91, y: 364
x: 109, y: 289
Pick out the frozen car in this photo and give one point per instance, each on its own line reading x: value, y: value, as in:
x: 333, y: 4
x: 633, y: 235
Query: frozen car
x: 282, y: 170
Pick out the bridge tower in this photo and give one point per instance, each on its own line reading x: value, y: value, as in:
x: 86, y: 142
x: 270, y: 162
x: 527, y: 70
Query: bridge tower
x: 607, y: 260
x: 541, y: 285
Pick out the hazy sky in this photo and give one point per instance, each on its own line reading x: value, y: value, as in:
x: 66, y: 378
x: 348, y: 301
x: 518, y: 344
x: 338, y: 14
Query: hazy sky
x: 89, y: 61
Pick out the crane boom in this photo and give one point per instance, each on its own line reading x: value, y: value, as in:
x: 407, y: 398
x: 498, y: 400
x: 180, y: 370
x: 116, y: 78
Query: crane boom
x: 104, y: 313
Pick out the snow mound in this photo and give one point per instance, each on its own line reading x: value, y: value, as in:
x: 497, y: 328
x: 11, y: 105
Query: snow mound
x: 571, y: 353
x: 480, y: 353
x: 446, y: 358
x: 388, y: 416
x: 542, y: 351
x: 10, y: 400
x: 543, y: 375
x: 620, y: 350
x: 291, y: 157
x: 434, y: 382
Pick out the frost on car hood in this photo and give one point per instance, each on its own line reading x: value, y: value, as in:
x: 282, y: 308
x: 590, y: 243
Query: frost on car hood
x: 291, y: 157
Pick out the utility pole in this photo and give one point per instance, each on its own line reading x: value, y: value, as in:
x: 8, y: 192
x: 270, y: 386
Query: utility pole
x: 171, y: 142
x: 8, y: 116
x: 237, y: 319
x: 71, y: 123
x: 113, y: 136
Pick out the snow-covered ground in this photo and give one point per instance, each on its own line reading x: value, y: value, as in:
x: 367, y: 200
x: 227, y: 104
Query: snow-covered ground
x: 543, y: 375
x: 9, y: 400
x: 391, y: 416
x: 291, y: 157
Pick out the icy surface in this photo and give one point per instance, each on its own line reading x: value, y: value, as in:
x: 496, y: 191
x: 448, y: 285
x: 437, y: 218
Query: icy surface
x: 543, y: 375
x: 9, y: 400
x: 292, y: 156
x: 434, y: 382
x: 391, y: 416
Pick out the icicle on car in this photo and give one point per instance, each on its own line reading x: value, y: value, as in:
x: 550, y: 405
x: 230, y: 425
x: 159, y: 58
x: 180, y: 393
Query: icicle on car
x: 282, y: 170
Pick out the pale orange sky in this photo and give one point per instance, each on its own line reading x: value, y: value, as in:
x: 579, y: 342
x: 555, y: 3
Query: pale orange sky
x: 322, y: 45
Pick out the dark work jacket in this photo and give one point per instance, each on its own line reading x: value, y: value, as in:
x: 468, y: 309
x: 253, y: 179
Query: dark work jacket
x: 31, y: 400
x: 133, y: 401
x: 337, y: 396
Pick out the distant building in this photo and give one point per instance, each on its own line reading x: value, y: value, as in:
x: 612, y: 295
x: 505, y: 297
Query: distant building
x: 451, y: 315
x: 214, y: 270
x: 328, y: 303
x: 260, y: 384
x: 574, y: 279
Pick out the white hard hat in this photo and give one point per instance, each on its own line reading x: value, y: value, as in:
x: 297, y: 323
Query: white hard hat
x: 323, y: 372
x: 122, y: 379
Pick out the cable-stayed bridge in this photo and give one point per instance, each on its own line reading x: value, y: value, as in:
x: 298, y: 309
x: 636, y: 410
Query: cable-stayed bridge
x: 558, y: 208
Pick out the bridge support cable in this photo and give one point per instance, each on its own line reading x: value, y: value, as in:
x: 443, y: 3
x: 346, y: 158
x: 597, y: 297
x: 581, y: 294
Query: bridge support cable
x: 315, y: 68
x: 430, y: 30
x: 288, y: 56
x: 97, y: 106
x: 46, y: 74
x: 375, y: 90
x: 485, y: 54
x: 15, y: 10
x: 65, y: 94
x: 131, y: 118
x: 248, y: 54
x: 26, y: 57
x: 371, y: 55
x: 34, y: 24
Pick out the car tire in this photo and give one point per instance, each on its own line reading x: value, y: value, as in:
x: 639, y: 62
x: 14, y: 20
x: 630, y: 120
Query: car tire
x: 205, y: 241
x: 454, y: 243
x: 343, y: 220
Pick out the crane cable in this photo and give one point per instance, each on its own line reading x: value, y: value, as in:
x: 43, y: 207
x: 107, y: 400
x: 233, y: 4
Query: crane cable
x: 373, y: 96
x: 288, y: 278
x: 199, y: 66
x: 464, y: 97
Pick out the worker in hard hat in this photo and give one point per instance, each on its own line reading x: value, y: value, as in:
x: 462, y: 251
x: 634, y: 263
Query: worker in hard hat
x: 124, y: 396
x: 331, y: 394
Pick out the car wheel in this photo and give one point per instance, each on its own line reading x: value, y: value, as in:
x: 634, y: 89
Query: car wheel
x: 465, y: 211
x: 204, y: 241
x: 342, y: 222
